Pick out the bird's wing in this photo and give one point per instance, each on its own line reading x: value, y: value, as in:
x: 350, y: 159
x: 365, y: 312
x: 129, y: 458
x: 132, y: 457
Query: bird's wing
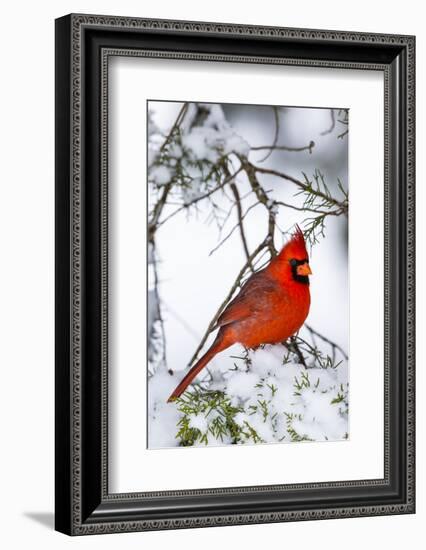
x: 253, y: 297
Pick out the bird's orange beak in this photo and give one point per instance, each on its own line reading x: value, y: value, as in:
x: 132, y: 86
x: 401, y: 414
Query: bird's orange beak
x: 304, y: 269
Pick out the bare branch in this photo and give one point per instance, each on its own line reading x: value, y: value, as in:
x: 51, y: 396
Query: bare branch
x: 275, y: 146
x: 158, y: 314
x: 293, y: 346
x: 263, y: 198
x: 327, y: 340
x: 152, y: 225
x: 272, y: 148
x: 239, y: 225
x: 306, y: 209
x: 277, y: 133
x: 177, y: 123
x: 344, y: 121
x: 237, y: 197
x: 333, y: 124
x: 234, y: 189
x: 201, y: 197
x: 262, y: 245
x: 303, y: 186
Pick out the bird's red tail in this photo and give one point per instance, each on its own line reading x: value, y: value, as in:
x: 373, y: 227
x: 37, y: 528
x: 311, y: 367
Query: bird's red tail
x: 218, y: 345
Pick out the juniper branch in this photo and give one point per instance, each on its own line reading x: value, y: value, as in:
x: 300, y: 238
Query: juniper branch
x: 343, y: 205
x: 336, y: 212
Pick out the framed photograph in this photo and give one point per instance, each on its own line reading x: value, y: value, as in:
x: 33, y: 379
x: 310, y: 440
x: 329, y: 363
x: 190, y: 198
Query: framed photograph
x: 234, y: 274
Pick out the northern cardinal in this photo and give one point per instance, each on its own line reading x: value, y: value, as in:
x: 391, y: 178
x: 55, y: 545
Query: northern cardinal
x: 271, y: 306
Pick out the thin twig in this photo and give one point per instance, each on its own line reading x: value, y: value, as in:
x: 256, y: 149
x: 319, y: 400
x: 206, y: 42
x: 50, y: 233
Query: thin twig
x: 159, y: 315
x: 152, y: 225
x: 308, y: 147
x: 238, y: 224
x: 327, y: 340
x: 234, y: 287
x: 177, y: 123
x: 333, y: 124
x: 344, y: 121
x: 237, y: 197
x: 182, y: 321
x: 307, y: 209
x: 263, y: 198
x: 292, y: 346
x: 302, y: 186
x: 201, y: 197
x: 277, y: 133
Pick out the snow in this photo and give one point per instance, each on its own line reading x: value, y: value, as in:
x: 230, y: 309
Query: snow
x: 281, y: 402
x: 241, y: 384
x: 175, y: 151
x: 241, y: 418
x: 200, y: 147
x: 196, y: 143
x: 189, y: 194
x: 209, y: 143
x: 235, y: 144
x: 152, y: 156
x: 198, y: 421
x: 160, y: 175
x: 162, y: 417
x: 153, y: 129
x: 213, y: 139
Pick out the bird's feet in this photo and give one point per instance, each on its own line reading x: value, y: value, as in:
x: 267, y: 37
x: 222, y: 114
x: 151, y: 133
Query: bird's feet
x: 294, y: 348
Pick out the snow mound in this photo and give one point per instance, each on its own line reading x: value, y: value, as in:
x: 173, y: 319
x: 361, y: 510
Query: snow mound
x: 266, y: 398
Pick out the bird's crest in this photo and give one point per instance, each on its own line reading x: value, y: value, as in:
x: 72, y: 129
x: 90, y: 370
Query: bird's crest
x: 296, y: 247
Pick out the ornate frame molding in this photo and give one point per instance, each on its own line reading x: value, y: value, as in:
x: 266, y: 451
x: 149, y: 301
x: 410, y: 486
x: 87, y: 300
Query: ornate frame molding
x: 76, y: 510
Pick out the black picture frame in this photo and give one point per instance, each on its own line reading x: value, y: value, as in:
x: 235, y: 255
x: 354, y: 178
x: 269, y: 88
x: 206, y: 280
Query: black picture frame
x: 83, y: 504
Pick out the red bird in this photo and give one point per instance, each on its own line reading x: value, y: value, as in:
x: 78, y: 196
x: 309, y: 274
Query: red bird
x: 271, y: 306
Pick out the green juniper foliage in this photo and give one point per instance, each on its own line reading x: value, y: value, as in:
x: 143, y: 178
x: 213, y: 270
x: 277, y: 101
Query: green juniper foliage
x: 216, y: 408
x: 211, y: 417
x: 318, y: 198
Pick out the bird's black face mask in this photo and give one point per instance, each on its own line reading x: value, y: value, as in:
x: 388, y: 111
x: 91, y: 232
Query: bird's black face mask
x: 300, y: 270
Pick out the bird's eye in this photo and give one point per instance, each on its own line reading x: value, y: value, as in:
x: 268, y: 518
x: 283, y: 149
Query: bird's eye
x: 293, y: 262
